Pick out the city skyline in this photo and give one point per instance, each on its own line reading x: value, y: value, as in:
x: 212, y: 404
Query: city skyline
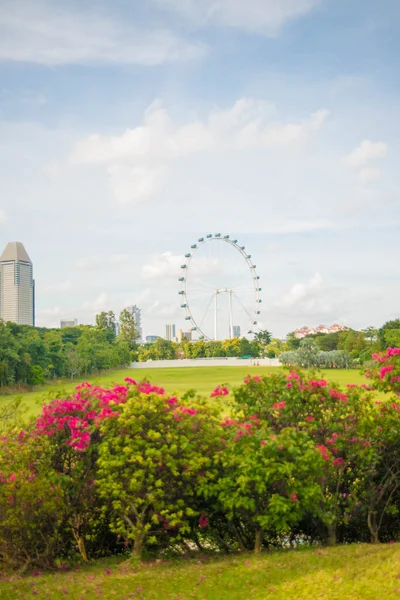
x: 134, y: 130
x: 21, y: 292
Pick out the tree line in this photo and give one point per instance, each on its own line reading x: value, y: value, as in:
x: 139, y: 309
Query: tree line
x: 342, y: 349
x: 32, y: 355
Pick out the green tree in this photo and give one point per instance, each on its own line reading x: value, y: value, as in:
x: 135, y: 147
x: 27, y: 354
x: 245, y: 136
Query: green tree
x: 106, y: 322
x: 371, y: 334
x: 327, y: 341
x: 389, y: 334
x: 264, y: 337
x: 292, y: 342
x: 127, y: 328
x: 245, y: 347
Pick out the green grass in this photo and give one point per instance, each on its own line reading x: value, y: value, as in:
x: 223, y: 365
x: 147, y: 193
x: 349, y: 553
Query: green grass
x: 356, y: 572
x: 203, y: 379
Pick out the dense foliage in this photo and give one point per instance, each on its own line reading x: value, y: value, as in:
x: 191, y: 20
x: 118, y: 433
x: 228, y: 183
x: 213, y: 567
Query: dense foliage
x: 166, y: 350
x: 133, y: 469
x: 30, y: 355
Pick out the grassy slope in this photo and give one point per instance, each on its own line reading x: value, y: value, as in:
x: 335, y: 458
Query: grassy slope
x: 203, y: 379
x: 357, y: 572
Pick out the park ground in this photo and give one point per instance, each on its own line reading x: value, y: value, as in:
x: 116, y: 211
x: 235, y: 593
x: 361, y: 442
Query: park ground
x: 353, y: 572
x: 202, y: 379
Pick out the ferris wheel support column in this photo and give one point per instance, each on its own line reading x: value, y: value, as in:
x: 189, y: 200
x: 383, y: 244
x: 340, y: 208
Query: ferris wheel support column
x: 215, y: 315
x: 230, y: 315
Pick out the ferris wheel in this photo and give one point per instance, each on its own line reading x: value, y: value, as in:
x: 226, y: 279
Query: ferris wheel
x: 220, y: 288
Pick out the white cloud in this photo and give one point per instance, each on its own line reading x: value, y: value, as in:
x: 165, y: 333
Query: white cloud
x: 137, y: 160
x: 369, y: 175
x: 304, y: 295
x: 3, y: 217
x: 165, y: 310
x: 364, y: 153
x: 263, y: 16
x: 168, y: 265
x: 62, y: 286
x: 246, y: 124
x: 103, y: 262
x: 162, y: 265
x: 131, y: 185
x: 103, y: 302
x: 299, y: 226
x: 40, y: 32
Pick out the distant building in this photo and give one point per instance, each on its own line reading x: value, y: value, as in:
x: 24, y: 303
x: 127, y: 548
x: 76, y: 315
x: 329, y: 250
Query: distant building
x: 305, y: 331
x: 137, y: 317
x: 236, y: 331
x: 72, y: 323
x: 184, y: 335
x: 173, y: 332
x: 150, y: 339
x: 170, y: 332
x: 17, y: 286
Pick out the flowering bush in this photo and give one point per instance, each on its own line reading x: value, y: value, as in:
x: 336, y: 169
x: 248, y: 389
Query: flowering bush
x: 385, y: 372
x: 333, y: 420
x: 152, y: 460
x: 267, y: 479
x: 31, y: 504
x: 134, y: 467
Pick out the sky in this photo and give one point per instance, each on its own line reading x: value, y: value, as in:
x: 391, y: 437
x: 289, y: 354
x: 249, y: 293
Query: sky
x: 128, y: 130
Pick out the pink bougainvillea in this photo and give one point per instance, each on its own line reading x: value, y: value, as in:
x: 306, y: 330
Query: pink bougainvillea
x: 219, y: 391
x: 78, y: 414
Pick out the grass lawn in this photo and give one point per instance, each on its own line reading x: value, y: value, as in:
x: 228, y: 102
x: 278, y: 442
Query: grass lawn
x: 355, y: 572
x: 203, y: 379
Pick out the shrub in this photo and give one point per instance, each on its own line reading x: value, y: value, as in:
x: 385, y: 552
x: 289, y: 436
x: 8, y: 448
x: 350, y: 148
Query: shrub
x: 268, y: 480
x: 31, y: 504
x: 153, y: 456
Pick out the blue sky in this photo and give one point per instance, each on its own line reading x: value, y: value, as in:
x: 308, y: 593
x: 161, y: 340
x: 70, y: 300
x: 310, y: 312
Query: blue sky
x: 128, y: 131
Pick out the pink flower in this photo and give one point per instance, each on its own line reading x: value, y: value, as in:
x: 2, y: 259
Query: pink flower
x: 13, y: 477
x: 219, y: 391
x: 228, y: 422
x: 203, y: 521
x: 392, y: 352
x: 310, y: 418
x: 262, y: 442
x: 279, y: 405
x: 318, y: 383
x: 338, y: 462
x: 130, y: 381
x: 172, y: 400
x: 323, y: 450
x: 293, y: 376
x: 294, y: 497
x: 385, y: 370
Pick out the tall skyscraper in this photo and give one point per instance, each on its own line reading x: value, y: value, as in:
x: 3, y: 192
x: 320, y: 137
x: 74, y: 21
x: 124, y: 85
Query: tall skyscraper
x: 137, y: 316
x: 170, y: 332
x: 17, y: 286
